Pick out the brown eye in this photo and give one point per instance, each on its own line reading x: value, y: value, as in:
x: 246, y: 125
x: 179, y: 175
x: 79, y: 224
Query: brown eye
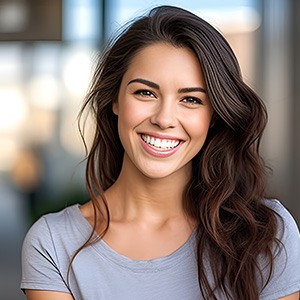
x: 144, y: 93
x: 192, y: 101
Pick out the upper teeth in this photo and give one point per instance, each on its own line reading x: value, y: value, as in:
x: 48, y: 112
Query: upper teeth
x: 160, y: 143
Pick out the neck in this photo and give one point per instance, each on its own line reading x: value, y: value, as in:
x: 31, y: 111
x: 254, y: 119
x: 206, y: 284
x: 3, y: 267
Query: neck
x: 135, y: 196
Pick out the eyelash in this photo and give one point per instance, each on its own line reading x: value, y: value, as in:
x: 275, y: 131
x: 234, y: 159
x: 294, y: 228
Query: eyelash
x: 188, y: 100
x: 144, y: 93
x: 192, y: 100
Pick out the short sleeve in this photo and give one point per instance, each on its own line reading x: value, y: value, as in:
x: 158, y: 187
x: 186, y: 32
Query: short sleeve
x: 40, y: 267
x: 285, y: 279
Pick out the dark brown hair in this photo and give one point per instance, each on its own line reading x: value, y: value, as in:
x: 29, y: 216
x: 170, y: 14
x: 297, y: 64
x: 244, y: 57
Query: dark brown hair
x: 225, y: 194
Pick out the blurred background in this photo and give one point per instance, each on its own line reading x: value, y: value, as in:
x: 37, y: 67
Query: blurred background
x: 48, y: 49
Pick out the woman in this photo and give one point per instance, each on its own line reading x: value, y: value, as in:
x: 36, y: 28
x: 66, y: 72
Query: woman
x: 178, y: 207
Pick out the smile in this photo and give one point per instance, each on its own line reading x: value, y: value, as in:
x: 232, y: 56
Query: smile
x: 161, y: 144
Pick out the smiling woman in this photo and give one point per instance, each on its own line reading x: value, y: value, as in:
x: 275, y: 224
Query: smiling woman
x: 167, y: 108
x: 178, y: 205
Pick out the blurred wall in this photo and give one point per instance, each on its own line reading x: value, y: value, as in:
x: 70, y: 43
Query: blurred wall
x: 295, y: 63
x: 278, y: 74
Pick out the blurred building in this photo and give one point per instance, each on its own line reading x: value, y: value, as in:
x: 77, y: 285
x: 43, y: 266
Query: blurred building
x: 47, y: 53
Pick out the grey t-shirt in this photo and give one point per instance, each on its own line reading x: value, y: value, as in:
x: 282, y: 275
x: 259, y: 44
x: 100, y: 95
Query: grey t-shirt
x: 98, y: 272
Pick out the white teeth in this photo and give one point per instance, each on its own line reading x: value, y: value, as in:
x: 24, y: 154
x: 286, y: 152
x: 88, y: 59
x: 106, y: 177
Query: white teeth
x: 160, y: 143
x: 157, y: 143
x: 164, y: 144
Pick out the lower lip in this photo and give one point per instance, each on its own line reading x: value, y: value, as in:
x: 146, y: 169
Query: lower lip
x: 159, y: 153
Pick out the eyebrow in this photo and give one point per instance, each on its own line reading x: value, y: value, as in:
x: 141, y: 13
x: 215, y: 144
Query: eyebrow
x: 192, y: 89
x: 156, y: 86
x: 146, y: 82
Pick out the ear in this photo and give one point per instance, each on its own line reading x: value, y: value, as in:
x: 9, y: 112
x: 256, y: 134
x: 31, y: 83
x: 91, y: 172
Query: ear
x: 213, y: 120
x: 115, y: 107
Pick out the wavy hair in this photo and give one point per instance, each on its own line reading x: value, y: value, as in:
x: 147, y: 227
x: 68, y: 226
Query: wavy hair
x: 225, y: 194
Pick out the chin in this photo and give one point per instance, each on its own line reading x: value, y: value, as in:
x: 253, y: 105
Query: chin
x: 163, y: 173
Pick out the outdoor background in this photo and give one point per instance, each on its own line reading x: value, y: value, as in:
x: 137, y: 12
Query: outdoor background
x: 48, y: 49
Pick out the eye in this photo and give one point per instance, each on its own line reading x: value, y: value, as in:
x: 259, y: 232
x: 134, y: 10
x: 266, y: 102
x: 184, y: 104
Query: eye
x: 192, y: 101
x: 144, y: 93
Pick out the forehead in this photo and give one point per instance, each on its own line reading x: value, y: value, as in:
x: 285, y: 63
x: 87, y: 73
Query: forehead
x: 158, y: 50
x: 165, y: 61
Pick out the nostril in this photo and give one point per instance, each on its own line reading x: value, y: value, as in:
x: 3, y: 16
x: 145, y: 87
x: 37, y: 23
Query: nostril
x: 164, y: 118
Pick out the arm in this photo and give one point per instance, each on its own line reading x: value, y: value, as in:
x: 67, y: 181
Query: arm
x: 41, y: 270
x: 295, y: 296
x: 47, y: 295
x: 284, y: 283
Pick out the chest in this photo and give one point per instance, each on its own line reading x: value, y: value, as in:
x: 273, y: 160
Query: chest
x: 99, y: 273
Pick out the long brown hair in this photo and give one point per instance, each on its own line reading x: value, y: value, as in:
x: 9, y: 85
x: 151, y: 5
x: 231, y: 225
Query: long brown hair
x: 225, y: 194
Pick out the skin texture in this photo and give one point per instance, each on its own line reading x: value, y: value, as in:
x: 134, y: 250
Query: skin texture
x: 295, y: 296
x: 47, y: 295
x: 161, y: 109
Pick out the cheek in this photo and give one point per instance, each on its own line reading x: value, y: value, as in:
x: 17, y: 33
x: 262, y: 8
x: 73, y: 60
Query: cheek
x: 129, y: 117
x: 198, y: 125
x: 131, y: 113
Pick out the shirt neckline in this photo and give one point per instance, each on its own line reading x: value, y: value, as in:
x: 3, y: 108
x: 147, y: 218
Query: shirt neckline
x: 174, y: 259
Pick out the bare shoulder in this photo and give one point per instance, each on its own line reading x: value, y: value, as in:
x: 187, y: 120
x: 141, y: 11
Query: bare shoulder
x: 47, y: 295
x: 87, y: 209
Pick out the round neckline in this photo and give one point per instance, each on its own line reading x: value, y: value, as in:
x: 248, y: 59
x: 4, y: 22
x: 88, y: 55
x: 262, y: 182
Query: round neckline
x: 152, y: 265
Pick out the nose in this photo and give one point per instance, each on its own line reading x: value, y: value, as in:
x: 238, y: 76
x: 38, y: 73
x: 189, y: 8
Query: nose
x: 165, y: 115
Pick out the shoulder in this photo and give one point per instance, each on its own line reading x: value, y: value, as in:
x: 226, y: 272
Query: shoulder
x: 276, y: 205
x: 285, y: 278
x: 47, y: 248
x: 287, y: 226
x: 287, y: 232
x: 53, y: 221
x: 59, y: 228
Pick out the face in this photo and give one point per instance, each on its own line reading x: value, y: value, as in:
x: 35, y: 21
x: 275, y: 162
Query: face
x: 163, y: 111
